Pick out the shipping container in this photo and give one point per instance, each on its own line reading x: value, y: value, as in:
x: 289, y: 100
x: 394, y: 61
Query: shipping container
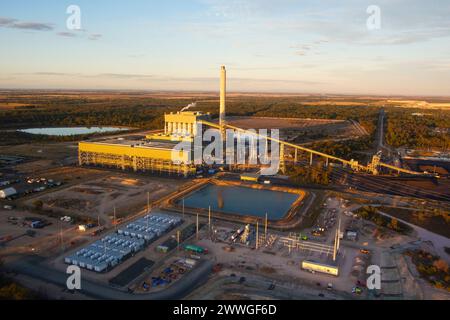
x: 195, y: 249
x: 312, y: 266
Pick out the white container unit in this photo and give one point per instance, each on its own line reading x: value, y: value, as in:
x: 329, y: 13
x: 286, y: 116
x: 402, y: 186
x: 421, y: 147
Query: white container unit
x: 114, y: 248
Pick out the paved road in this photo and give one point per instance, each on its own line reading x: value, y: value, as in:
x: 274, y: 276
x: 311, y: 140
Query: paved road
x: 380, y: 131
x: 390, y: 154
x: 32, y: 267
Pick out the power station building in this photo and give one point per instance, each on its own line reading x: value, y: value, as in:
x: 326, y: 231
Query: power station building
x: 156, y: 152
x: 183, y: 123
x: 144, y: 156
x: 180, y: 126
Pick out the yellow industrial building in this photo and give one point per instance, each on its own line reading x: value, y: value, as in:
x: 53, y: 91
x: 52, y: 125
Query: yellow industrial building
x: 155, y: 153
x: 144, y: 156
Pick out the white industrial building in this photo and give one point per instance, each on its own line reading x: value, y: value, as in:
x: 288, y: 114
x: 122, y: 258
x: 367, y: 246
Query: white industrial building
x: 8, y: 192
x: 115, y: 248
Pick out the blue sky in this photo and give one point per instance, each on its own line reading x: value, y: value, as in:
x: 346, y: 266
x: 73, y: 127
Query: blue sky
x: 305, y: 46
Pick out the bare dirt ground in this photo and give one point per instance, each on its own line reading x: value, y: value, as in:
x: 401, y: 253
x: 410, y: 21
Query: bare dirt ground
x: 55, y: 151
x: 13, y: 228
x: 281, y: 265
x: 296, y: 128
x: 68, y: 176
x: 281, y: 123
x: 98, y: 197
x: 286, y: 124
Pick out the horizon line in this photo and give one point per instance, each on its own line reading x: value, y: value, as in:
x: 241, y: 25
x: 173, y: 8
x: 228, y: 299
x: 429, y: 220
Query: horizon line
x: 229, y: 92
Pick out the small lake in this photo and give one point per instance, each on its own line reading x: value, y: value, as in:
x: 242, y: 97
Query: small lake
x: 242, y: 201
x: 72, y: 131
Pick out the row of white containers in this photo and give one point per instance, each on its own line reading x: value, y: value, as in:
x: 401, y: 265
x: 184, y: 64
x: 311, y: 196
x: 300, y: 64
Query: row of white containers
x: 107, y: 252
x: 150, y: 226
x: 115, y: 248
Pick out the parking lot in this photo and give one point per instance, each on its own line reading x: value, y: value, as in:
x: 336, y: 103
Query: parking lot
x: 16, y: 231
x: 20, y: 186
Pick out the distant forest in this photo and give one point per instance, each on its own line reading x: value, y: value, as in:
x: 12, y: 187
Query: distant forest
x: 146, y: 112
x: 293, y: 107
x: 422, y: 129
x: 60, y: 111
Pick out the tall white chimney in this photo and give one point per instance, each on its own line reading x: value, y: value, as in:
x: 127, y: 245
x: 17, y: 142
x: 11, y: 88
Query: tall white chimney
x: 223, y: 93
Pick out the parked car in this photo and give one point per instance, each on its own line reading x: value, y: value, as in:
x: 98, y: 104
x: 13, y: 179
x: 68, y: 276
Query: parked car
x: 356, y: 290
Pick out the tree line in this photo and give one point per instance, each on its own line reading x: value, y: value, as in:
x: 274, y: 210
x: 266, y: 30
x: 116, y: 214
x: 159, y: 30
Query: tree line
x: 418, y: 129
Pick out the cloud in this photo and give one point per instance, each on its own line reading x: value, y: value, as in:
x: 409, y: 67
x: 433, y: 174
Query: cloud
x: 286, y: 81
x: 246, y: 9
x: 81, y: 75
x: 403, y: 22
x: 407, y: 36
x: 347, y: 23
x: 6, y: 21
x: 40, y: 26
x: 123, y: 76
x: 304, y: 49
x: 163, y: 78
x: 95, y: 36
x: 67, y: 34
x: 53, y: 74
x: 92, y: 36
x: 25, y: 25
x: 136, y: 55
x: 37, y: 26
x: 275, y: 67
